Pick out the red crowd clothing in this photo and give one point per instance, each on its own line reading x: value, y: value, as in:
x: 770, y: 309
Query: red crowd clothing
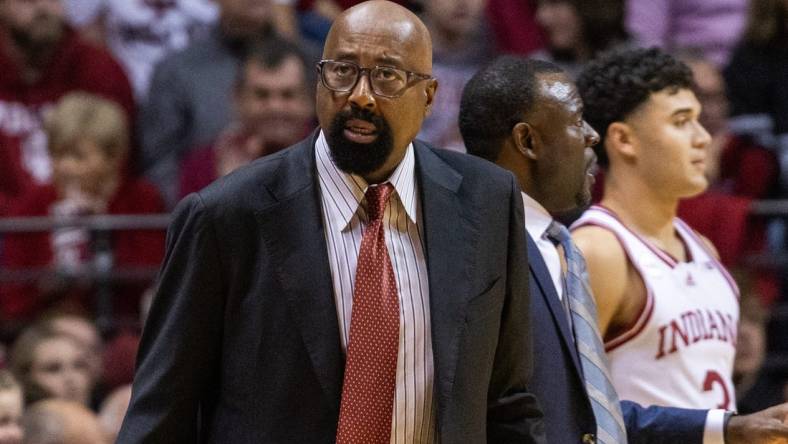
x: 75, y: 66
x: 514, y: 24
x: 137, y: 248
x: 198, y: 170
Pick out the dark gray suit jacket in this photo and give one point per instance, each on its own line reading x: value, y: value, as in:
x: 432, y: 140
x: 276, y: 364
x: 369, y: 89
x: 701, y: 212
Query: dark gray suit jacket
x: 242, y: 342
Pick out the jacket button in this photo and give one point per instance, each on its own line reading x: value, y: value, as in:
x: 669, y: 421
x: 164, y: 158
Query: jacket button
x: 589, y: 438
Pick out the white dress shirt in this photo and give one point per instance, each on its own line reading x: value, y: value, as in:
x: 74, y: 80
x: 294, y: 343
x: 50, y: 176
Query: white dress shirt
x: 537, y: 219
x: 414, y: 416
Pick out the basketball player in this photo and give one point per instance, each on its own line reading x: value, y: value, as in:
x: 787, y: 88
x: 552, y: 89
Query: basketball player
x: 668, y: 311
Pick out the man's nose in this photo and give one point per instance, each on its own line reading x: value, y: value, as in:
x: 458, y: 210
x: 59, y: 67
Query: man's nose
x: 361, y: 95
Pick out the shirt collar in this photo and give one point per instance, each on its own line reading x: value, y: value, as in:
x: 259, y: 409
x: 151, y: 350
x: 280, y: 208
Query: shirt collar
x: 537, y: 219
x: 346, y: 191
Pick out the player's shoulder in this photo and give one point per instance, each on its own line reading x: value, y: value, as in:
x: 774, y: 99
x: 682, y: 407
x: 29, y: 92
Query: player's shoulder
x: 600, y: 244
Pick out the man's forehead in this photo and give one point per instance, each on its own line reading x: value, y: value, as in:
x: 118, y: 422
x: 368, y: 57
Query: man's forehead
x: 670, y: 100
x: 398, y: 36
x: 558, y: 89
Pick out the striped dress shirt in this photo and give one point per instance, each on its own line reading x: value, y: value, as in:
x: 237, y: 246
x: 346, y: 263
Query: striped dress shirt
x: 345, y: 217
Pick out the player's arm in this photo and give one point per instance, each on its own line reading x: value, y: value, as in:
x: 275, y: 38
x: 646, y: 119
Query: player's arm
x: 608, y: 273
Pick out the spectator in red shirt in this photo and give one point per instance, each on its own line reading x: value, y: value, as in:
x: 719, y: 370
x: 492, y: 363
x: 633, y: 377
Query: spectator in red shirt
x: 272, y: 111
x: 88, y: 143
x: 42, y: 59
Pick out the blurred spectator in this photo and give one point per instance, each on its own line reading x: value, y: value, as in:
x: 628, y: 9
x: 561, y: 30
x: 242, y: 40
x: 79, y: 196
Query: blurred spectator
x: 56, y: 421
x: 140, y: 33
x: 757, y: 386
x: 713, y: 26
x: 577, y: 30
x: 190, y: 96
x: 756, y: 80
x: 514, y: 24
x: 736, y: 164
x: 460, y: 45
x: 85, y: 332
x: 112, y: 411
x: 273, y: 110
x: 51, y: 365
x: 42, y: 59
x: 11, y: 405
x: 88, y: 142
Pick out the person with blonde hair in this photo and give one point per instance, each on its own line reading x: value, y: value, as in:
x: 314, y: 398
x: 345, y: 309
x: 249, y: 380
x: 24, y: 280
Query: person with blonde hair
x: 88, y: 143
x: 11, y: 407
x: 50, y: 364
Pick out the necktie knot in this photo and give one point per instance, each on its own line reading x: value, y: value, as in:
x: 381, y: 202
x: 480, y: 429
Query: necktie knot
x: 558, y: 233
x: 377, y: 196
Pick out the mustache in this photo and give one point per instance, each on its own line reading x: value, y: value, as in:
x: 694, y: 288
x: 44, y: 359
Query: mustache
x: 343, y: 117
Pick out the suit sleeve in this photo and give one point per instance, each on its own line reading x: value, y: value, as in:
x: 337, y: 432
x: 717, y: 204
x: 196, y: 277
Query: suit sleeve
x: 180, y: 347
x: 655, y: 425
x: 513, y: 413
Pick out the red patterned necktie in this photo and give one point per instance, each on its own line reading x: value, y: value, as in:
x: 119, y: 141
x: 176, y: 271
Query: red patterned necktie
x: 371, y: 365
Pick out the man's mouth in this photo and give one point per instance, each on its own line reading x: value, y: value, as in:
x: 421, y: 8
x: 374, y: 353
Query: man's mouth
x: 360, y: 131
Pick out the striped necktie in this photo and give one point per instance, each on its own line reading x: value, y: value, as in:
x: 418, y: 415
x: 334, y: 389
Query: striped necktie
x: 604, y: 400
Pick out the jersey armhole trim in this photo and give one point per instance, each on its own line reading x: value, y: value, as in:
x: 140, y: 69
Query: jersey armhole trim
x: 641, y: 320
x: 716, y: 263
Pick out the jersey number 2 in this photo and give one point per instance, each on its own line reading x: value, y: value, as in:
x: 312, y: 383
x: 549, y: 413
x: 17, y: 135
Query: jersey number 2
x: 712, y: 378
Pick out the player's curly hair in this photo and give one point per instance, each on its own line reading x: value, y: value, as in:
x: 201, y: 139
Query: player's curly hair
x: 617, y: 82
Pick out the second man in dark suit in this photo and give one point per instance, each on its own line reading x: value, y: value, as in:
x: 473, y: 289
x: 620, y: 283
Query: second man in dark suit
x: 527, y: 116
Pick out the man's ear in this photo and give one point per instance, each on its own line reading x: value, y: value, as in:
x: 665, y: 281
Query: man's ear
x: 526, y: 140
x: 430, y: 91
x: 621, y: 141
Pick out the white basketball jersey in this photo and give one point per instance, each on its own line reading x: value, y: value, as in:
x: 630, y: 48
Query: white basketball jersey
x: 680, y: 351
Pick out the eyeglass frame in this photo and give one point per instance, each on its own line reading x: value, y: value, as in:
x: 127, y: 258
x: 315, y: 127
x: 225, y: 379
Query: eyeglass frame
x: 361, y: 70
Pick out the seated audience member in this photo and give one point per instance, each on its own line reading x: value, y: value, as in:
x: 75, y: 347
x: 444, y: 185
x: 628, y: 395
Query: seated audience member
x: 51, y: 365
x: 737, y: 165
x: 140, y: 33
x: 756, y: 80
x: 757, y: 386
x: 712, y: 26
x: 11, y: 406
x: 43, y: 59
x: 272, y: 111
x: 112, y: 411
x: 460, y: 45
x: 55, y: 421
x: 577, y: 30
x: 190, y: 99
x: 88, y: 143
x: 85, y: 332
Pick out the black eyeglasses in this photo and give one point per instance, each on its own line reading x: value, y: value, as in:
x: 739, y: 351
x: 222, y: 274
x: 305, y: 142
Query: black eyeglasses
x: 385, y: 80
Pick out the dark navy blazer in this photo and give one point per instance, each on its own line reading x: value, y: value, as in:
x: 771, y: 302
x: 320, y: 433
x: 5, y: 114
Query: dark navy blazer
x: 557, y: 378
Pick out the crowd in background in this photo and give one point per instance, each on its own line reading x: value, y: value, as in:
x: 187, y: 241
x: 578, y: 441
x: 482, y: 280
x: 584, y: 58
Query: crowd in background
x: 123, y: 107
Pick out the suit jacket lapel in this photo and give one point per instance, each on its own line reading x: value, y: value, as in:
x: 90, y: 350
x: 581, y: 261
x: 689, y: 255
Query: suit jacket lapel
x: 449, y: 250
x: 293, y: 230
x: 542, y: 278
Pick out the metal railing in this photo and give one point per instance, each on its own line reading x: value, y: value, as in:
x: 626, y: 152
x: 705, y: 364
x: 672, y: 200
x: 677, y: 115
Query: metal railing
x: 101, y: 270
